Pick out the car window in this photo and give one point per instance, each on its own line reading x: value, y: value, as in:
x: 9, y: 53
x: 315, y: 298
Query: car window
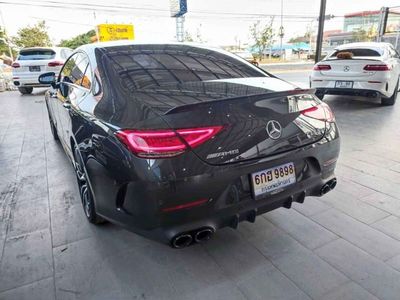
x: 147, y: 66
x: 363, y: 52
x: 65, y: 53
x: 74, y: 71
x: 36, y: 54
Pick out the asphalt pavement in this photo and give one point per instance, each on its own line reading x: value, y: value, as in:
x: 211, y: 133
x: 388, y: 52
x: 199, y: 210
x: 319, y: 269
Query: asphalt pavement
x: 345, y: 245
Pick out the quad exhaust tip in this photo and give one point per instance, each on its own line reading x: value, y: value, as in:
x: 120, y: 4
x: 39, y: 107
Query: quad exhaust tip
x: 329, y: 186
x: 186, y: 239
x: 182, y: 241
x: 203, y: 235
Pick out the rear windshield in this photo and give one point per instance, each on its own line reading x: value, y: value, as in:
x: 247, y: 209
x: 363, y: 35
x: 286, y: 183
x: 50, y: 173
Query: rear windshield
x: 36, y: 54
x: 356, y: 52
x: 149, y: 66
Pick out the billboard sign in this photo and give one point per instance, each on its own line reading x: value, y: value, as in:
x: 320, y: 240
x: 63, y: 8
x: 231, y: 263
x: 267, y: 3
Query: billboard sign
x: 115, y: 32
x: 178, y: 8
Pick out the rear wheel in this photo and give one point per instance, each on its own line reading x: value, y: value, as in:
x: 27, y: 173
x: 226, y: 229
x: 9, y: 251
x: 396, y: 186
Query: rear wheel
x: 25, y: 90
x: 392, y: 100
x: 85, y: 191
x: 319, y: 94
x: 53, y: 130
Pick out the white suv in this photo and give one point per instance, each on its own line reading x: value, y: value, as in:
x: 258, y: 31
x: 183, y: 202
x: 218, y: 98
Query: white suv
x: 32, y: 62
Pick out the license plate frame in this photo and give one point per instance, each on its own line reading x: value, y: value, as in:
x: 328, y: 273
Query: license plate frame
x: 34, y: 68
x: 344, y: 84
x: 266, y: 184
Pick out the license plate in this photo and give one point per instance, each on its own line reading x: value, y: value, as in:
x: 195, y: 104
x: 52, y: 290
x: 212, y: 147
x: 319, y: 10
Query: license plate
x: 34, y: 68
x: 344, y: 84
x: 273, y: 179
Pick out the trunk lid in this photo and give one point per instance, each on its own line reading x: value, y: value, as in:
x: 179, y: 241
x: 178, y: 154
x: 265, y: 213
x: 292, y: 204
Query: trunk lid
x: 348, y: 68
x: 249, y: 110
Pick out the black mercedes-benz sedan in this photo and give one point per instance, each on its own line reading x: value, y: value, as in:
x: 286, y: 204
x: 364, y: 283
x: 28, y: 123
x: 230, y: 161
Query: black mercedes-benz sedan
x: 174, y: 141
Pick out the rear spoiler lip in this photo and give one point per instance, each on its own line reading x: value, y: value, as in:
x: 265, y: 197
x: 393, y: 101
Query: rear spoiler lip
x: 296, y: 91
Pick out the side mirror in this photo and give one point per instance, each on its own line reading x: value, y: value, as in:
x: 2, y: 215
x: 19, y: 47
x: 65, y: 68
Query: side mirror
x: 48, y: 79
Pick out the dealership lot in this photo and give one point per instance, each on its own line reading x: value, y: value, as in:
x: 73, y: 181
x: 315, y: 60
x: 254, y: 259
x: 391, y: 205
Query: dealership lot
x: 345, y: 245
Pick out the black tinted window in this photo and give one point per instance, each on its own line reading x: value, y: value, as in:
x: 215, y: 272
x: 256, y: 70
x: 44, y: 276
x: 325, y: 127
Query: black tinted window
x: 357, y: 52
x: 146, y: 66
x: 36, y: 54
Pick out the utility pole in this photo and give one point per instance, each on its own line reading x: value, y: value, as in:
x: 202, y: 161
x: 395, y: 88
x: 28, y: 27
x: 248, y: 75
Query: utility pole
x: 180, y: 28
x: 320, y: 35
x: 281, y: 31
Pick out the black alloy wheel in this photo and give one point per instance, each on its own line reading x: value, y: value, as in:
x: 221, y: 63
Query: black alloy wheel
x: 85, y: 190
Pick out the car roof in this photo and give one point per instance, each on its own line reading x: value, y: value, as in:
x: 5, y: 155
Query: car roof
x: 93, y: 46
x: 43, y: 48
x: 368, y: 45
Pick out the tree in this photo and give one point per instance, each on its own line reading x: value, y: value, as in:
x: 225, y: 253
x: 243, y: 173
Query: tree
x: 362, y: 35
x: 78, y: 40
x: 263, y: 36
x: 32, y: 36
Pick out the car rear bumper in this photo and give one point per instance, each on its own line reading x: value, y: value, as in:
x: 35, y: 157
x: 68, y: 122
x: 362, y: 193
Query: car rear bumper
x: 138, y: 204
x: 362, y: 88
x: 27, y: 81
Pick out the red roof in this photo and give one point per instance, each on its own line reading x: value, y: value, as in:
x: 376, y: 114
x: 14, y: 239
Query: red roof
x: 363, y: 13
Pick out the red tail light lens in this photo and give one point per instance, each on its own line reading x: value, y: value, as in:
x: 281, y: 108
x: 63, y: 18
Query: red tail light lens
x: 165, y: 143
x: 320, y: 112
x: 322, y: 67
x: 15, y: 65
x: 377, y: 68
x: 55, y: 63
x: 185, y: 206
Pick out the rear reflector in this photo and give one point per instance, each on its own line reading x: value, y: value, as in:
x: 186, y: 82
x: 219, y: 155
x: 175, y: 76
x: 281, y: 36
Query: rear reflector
x: 322, y: 67
x: 165, y: 143
x: 377, y: 68
x: 15, y: 65
x: 320, y: 112
x: 186, y: 205
x: 55, y: 63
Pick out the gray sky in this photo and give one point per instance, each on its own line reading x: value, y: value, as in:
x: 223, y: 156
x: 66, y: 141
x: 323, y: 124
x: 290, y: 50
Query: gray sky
x: 220, y: 22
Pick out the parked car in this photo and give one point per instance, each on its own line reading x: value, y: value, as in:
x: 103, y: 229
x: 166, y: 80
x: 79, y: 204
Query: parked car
x: 32, y: 62
x: 366, y: 69
x: 247, y: 56
x: 174, y: 141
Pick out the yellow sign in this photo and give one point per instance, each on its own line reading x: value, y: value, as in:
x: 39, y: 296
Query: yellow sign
x: 114, y: 32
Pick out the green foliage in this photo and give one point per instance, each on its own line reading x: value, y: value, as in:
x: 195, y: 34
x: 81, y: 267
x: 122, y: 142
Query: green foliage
x: 78, y: 40
x: 362, y: 35
x: 32, y: 36
x: 263, y: 36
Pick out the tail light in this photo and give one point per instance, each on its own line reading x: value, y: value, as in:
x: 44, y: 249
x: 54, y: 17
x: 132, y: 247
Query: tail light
x: 55, y: 63
x: 165, y: 143
x: 322, y: 67
x: 15, y: 65
x: 320, y: 112
x: 377, y: 68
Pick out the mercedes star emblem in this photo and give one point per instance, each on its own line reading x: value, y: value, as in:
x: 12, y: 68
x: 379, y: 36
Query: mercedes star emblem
x: 274, y: 129
x: 346, y: 68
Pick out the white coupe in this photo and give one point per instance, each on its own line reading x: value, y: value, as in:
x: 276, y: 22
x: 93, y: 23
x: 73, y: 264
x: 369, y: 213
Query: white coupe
x: 364, y: 69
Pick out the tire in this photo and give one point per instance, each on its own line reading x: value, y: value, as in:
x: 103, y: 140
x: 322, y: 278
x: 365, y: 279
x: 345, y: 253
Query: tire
x: 320, y: 95
x: 53, y: 130
x: 85, y: 190
x: 25, y: 90
x: 391, y: 100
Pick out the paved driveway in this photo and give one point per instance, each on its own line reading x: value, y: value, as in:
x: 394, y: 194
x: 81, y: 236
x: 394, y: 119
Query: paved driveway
x: 343, y: 246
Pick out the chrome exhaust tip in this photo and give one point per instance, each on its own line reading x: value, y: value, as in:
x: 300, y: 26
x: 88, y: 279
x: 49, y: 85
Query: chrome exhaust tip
x: 203, y: 235
x: 327, y: 187
x: 181, y: 241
